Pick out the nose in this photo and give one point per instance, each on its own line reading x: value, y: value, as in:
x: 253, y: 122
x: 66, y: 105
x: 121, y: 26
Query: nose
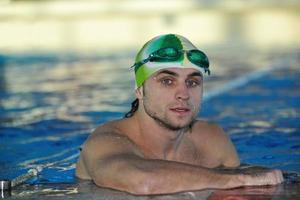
x: 182, y: 93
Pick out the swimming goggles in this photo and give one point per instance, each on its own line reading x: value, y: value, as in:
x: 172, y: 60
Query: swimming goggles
x: 170, y: 54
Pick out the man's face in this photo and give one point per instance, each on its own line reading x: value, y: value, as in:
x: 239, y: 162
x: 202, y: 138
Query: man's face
x: 173, y: 96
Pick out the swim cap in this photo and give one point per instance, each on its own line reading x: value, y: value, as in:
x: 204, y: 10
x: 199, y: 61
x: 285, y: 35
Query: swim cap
x: 145, y: 67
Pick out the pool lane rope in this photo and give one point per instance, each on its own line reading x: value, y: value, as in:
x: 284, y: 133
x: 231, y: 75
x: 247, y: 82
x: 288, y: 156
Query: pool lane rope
x: 9, y: 184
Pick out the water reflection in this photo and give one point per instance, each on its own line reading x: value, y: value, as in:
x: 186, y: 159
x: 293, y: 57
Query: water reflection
x: 250, y: 193
x: 82, y: 189
x: 63, y: 90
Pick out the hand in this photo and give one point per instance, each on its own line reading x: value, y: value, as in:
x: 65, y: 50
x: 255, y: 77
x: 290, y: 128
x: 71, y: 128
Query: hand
x: 272, y: 177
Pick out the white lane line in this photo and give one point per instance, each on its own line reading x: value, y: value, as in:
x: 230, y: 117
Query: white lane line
x: 241, y: 81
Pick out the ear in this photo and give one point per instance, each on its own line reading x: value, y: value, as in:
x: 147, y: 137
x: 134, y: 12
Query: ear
x: 139, y: 93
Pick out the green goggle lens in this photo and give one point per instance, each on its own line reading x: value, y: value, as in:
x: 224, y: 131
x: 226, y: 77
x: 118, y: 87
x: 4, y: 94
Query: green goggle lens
x: 164, y: 55
x: 199, y: 58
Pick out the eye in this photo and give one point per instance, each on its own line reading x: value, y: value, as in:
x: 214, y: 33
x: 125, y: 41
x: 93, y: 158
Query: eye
x: 190, y: 83
x: 167, y: 81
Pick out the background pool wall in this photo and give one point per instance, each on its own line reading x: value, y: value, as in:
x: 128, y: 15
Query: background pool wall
x: 101, y: 27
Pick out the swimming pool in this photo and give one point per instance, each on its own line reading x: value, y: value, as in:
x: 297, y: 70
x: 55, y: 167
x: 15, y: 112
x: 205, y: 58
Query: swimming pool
x: 50, y: 104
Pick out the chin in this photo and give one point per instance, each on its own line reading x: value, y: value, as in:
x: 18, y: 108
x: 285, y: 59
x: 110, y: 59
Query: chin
x: 182, y: 124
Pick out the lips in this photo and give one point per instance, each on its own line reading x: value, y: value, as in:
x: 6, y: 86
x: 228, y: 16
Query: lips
x: 181, y: 110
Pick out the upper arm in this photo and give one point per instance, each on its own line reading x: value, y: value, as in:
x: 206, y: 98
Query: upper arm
x: 220, y: 145
x: 229, y: 156
x: 101, y: 147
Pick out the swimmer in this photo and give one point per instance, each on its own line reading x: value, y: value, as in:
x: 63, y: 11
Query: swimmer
x: 160, y: 146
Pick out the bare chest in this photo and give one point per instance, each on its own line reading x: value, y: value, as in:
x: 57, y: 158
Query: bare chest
x: 188, y: 152
x: 195, y: 155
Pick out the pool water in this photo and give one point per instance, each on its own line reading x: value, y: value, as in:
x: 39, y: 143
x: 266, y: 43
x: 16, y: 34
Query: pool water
x: 262, y: 119
x: 49, y: 104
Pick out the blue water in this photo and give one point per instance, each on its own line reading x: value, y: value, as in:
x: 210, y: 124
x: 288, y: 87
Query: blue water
x: 49, y: 104
x: 263, y: 119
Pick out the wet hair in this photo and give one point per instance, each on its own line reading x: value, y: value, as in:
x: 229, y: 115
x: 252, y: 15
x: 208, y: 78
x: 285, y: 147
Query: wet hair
x: 134, y: 107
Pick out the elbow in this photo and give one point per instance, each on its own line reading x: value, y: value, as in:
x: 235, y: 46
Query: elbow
x: 140, y: 189
x: 135, y: 189
x: 149, y: 184
x: 137, y: 185
x: 127, y: 177
x: 143, y: 187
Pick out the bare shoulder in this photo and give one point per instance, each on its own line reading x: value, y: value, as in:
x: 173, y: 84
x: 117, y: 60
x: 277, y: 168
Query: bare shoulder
x: 218, y: 143
x: 108, y: 135
x: 105, y: 141
x: 212, y: 130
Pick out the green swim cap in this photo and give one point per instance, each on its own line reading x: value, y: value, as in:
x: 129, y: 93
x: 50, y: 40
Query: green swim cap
x: 146, y: 63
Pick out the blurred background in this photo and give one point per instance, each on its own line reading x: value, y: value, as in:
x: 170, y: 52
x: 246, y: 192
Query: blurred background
x: 239, y: 36
x: 105, y: 26
x: 64, y: 69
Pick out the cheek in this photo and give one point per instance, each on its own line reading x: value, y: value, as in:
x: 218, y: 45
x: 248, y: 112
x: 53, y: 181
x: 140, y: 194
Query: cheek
x: 156, y: 101
x: 196, y: 103
x: 157, y: 94
x: 196, y: 97
x: 157, y: 98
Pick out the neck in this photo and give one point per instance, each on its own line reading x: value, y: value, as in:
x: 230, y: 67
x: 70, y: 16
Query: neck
x: 157, y: 139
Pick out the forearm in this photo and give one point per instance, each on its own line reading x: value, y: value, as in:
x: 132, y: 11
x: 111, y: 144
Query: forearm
x: 141, y: 176
x: 170, y: 177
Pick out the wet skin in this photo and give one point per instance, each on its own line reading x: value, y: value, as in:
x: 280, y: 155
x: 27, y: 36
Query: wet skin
x: 163, y: 148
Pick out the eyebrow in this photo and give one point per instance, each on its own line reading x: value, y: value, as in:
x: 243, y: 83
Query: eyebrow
x: 195, y: 74
x: 175, y: 74
x: 167, y: 72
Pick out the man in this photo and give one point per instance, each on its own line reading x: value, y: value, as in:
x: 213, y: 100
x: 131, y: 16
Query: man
x: 160, y: 147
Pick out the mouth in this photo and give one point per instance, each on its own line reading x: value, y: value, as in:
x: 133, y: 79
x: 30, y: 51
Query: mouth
x: 181, y: 110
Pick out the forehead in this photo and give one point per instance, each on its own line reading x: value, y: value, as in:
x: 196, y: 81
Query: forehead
x: 180, y: 72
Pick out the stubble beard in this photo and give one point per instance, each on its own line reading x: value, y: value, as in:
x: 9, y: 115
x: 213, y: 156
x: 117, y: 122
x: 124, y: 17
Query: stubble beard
x: 164, y: 122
